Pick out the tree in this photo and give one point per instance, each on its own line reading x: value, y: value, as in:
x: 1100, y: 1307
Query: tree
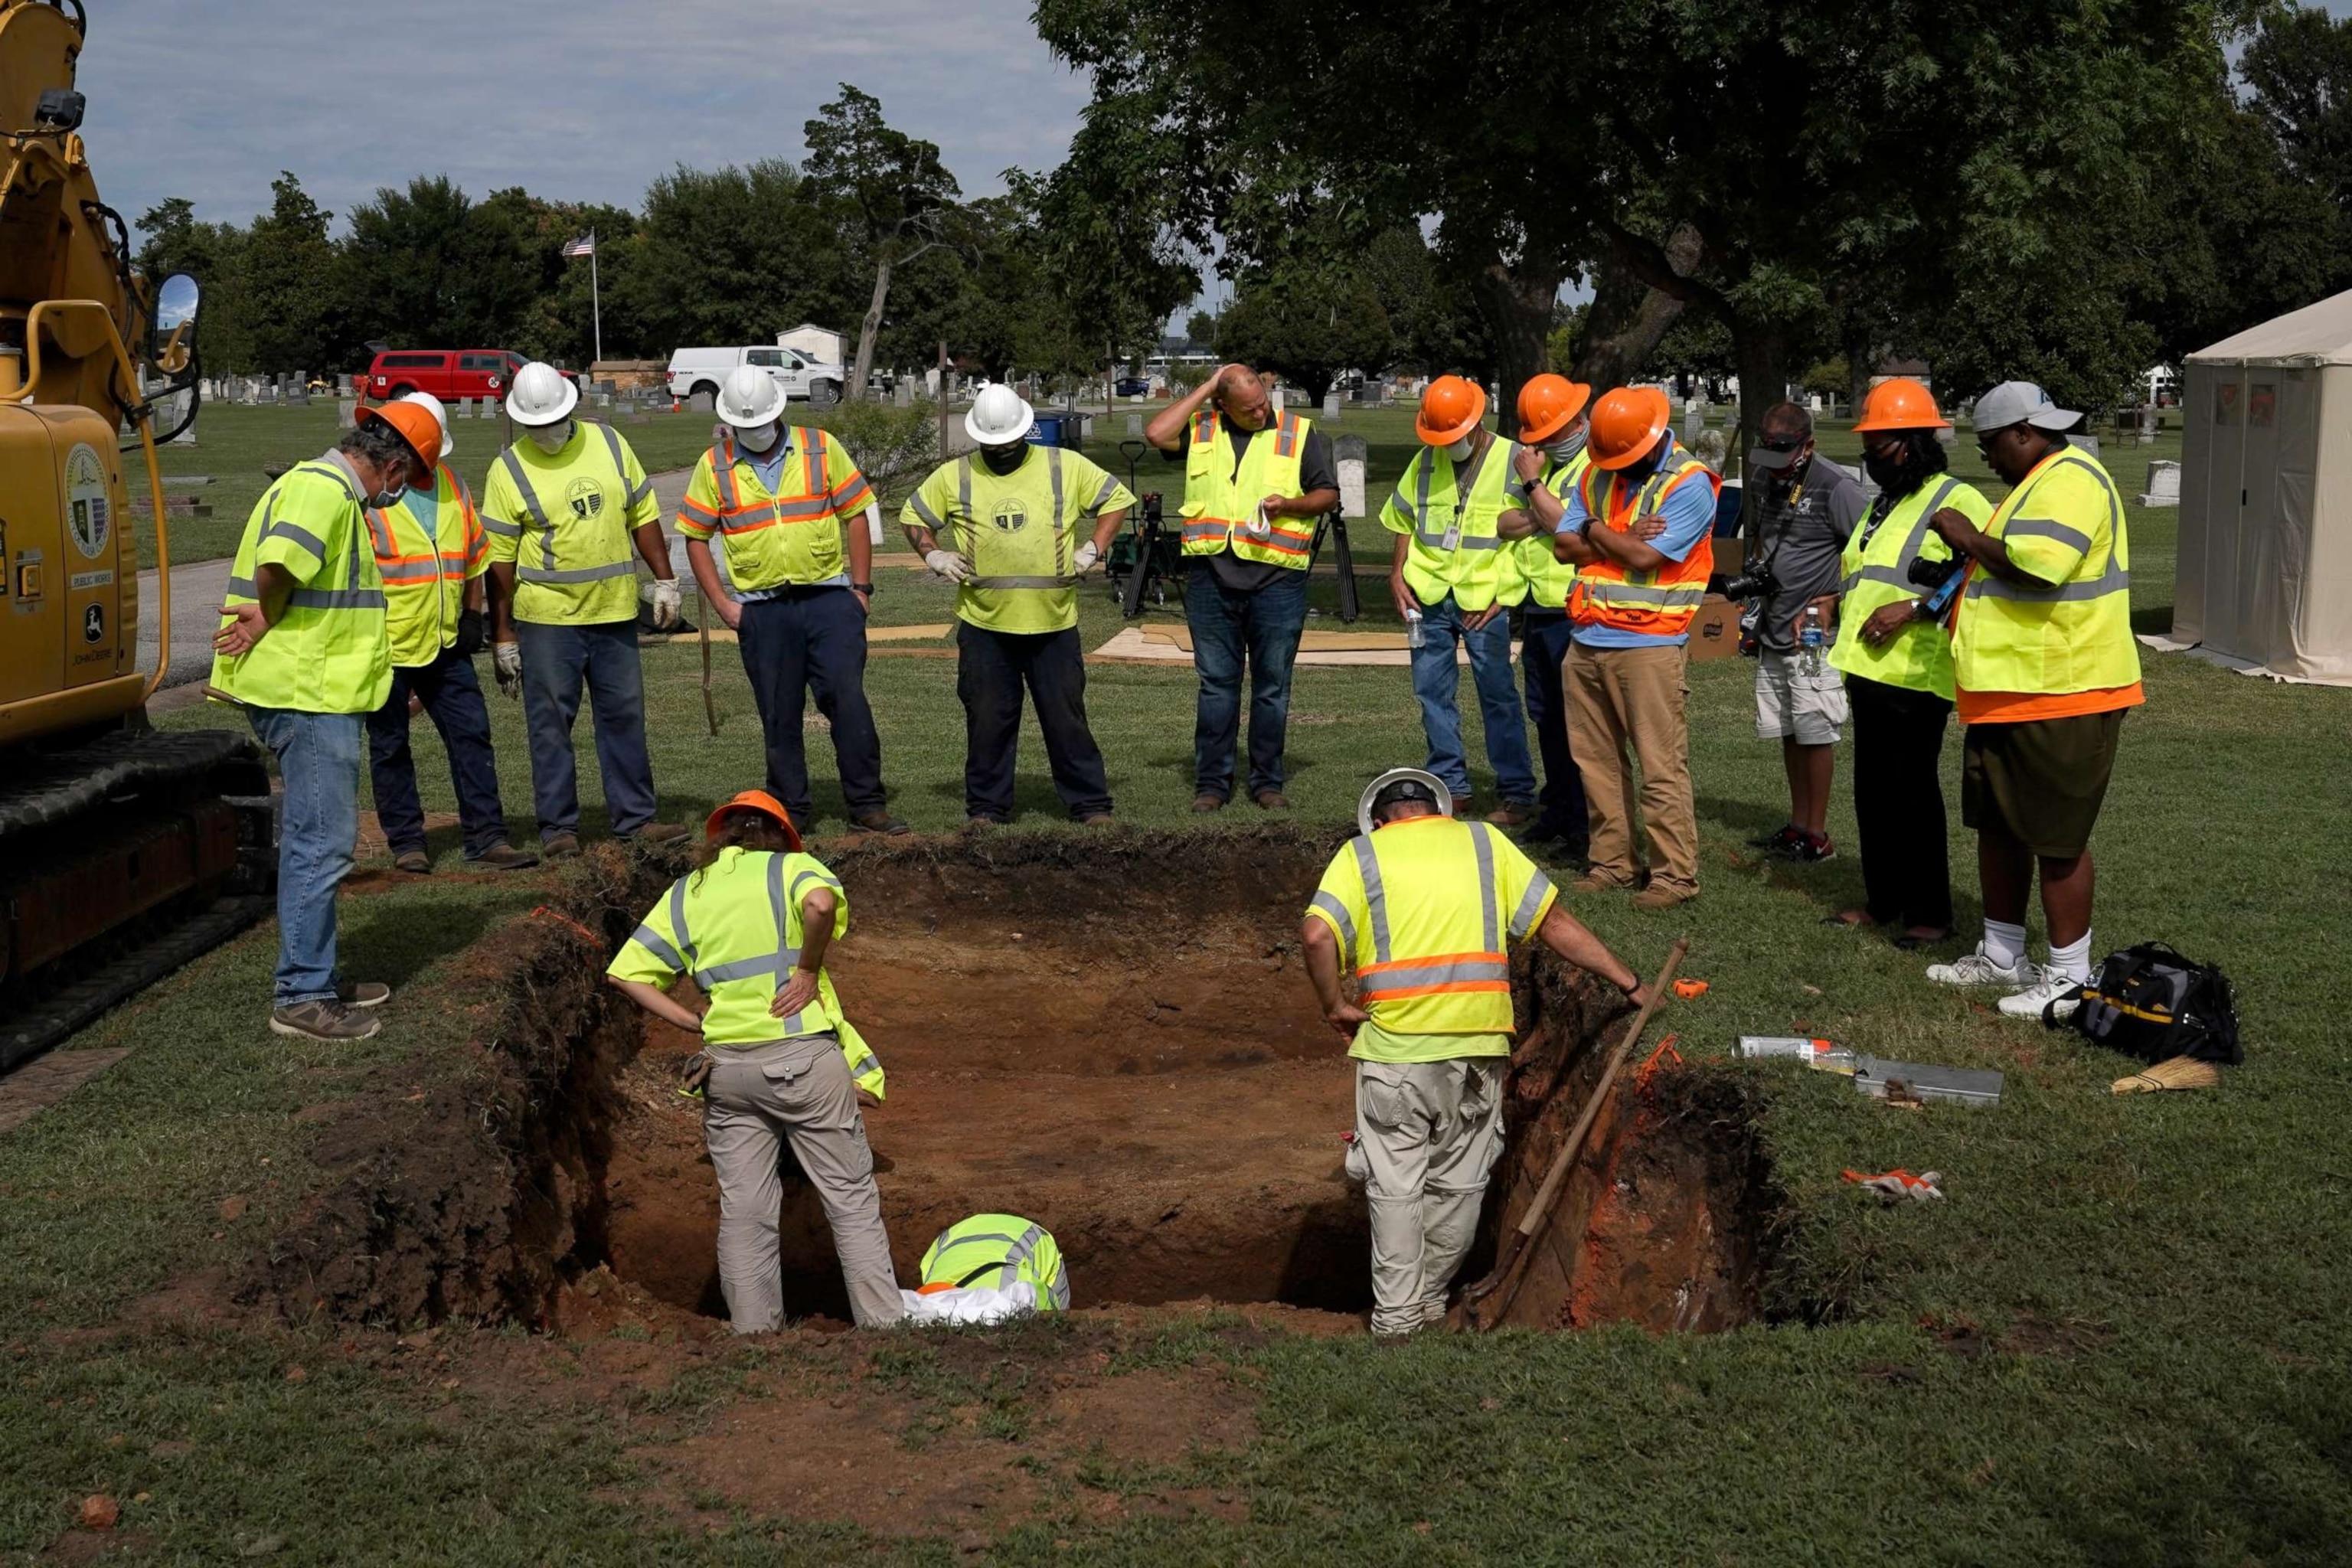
x: 723, y: 252
x: 1201, y: 329
x: 215, y: 255
x: 1307, y: 324
x: 892, y: 186
x: 289, y: 284
x: 428, y: 265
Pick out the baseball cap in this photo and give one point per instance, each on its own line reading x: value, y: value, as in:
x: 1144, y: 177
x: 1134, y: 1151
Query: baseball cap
x: 2022, y: 403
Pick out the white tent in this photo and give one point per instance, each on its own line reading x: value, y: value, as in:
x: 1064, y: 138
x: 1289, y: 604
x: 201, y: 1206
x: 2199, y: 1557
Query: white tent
x: 2264, y: 580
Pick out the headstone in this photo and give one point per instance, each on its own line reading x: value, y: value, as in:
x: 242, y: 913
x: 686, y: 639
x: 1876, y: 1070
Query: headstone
x: 1813, y: 402
x: 1693, y: 419
x: 608, y: 386
x: 698, y: 404
x: 2147, y: 431
x: 1331, y: 406
x: 1278, y: 402
x: 2163, y: 483
x: 604, y: 399
x: 298, y: 396
x: 347, y: 414
x: 2088, y: 443
x: 1349, y: 454
x: 344, y: 386
x: 1135, y: 426
x: 902, y: 392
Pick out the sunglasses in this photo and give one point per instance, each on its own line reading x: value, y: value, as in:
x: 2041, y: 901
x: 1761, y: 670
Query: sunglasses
x: 1780, y: 443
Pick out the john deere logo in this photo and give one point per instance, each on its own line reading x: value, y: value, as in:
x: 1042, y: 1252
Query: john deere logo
x: 93, y: 625
x: 1011, y: 517
x: 586, y: 497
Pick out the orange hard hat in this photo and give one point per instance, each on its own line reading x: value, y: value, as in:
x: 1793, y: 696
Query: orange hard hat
x: 1626, y: 423
x: 1450, y: 410
x: 1900, y: 403
x: 1546, y: 404
x: 417, y: 426
x: 763, y: 803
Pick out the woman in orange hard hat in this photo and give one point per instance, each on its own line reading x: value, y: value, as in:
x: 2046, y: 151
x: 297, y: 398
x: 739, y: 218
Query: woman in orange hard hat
x: 1898, y: 663
x: 1453, y: 579
x: 1636, y: 527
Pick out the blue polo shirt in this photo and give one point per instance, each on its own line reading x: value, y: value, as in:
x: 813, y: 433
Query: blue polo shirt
x: 1689, y: 514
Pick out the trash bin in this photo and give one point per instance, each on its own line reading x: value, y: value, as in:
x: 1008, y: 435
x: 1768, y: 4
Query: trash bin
x: 1047, y: 431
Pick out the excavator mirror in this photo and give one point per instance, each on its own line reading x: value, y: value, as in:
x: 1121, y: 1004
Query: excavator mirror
x: 175, y: 302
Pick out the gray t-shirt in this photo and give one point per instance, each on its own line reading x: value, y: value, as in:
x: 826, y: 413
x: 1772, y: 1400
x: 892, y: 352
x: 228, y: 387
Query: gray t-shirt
x: 1802, y: 536
x: 1317, y: 471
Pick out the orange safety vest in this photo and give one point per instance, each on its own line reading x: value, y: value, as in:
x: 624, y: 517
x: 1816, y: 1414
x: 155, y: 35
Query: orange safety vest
x: 1649, y: 604
x: 424, y: 590
x: 812, y: 502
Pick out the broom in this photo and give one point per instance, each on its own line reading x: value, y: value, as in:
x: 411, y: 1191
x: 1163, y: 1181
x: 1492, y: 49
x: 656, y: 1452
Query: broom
x: 2177, y: 1072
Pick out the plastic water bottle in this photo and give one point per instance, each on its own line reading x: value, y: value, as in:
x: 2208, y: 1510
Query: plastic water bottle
x: 1412, y: 628
x: 1809, y: 637
x: 1822, y: 1056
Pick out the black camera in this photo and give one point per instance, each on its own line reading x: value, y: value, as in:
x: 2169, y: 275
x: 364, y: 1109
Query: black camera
x: 1932, y: 574
x: 1755, y: 582
x: 1150, y: 504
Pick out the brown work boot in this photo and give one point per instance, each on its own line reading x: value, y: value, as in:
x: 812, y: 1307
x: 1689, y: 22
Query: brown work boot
x: 1510, y: 814
x: 507, y: 858
x: 1272, y: 800
x: 1593, y: 882
x: 1658, y: 896
x: 1096, y: 819
x: 657, y: 833
x: 323, y: 1020
x: 1205, y: 802
x: 363, y: 993
x: 413, y: 861
x: 563, y: 847
x: 881, y: 822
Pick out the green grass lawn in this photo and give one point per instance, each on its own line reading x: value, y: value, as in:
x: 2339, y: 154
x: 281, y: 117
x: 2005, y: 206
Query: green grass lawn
x: 2121, y: 1339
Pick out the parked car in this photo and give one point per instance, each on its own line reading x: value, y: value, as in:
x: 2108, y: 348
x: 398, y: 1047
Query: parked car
x: 446, y: 374
x: 1131, y: 386
x: 702, y: 370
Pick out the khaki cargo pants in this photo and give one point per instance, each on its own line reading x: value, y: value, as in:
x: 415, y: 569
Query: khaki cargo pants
x: 1624, y: 701
x: 758, y: 1100
x: 1430, y: 1132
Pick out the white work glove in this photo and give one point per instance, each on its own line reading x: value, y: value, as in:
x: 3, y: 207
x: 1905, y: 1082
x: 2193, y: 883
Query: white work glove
x: 663, y: 592
x: 949, y: 565
x: 505, y: 659
x: 1088, y: 556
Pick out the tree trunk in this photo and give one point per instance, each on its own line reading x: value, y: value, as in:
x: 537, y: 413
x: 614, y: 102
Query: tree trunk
x: 1763, y: 356
x: 1628, y: 318
x: 1861, y: 362
x: 867, y: 330
x: 1517, y: 305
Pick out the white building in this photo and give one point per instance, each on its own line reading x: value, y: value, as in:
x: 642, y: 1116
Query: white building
x: 818, y: 343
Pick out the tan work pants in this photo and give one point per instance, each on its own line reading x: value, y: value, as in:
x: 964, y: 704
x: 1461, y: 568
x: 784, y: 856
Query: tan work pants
x: 1624, y: 701
x: 756, y: 1101
x: 1430, y: 1132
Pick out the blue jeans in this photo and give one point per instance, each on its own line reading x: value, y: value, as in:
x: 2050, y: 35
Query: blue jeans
x: 813, y: 640
x: 1264, y: 625
x: 1543, y: 643
x: 452, y: 696
x: 1435, y: 679
x: 557, y: 660
x: 319, y: 821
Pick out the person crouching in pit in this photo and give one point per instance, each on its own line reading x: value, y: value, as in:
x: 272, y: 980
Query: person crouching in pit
x: 752, y: 923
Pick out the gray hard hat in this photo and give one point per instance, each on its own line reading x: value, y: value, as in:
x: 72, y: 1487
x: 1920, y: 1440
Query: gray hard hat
x: 1408, y: 783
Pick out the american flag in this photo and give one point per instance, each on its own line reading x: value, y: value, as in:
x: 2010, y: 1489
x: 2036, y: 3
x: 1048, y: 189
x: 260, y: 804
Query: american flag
x: 584, y: 246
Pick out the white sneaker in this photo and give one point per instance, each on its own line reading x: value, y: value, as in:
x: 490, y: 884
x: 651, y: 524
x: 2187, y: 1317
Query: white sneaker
x: 1975, y: 969
x: 2029, y: 1002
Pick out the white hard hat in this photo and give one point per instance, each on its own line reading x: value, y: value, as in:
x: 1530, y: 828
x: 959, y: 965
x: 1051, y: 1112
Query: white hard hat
x: 541, y: 394
x: 750, y: 397
x: 1434, y: 787
x: 2022, y: 403
x: 998, y: 416
x: 431, y: 404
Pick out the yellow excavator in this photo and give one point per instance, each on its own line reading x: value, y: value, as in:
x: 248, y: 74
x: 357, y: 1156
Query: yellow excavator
x: 123, y: 851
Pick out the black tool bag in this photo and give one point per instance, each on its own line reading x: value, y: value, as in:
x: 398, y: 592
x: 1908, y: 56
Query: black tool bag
x: 2151, y: 1003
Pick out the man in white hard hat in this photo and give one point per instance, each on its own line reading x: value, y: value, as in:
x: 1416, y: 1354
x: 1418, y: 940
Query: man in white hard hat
x: 1426, y: 909
x: 2045, y: 669
x: 563, y: 509
x: 1011, y: 515
x: 431, y: 554
x: 789, y: 508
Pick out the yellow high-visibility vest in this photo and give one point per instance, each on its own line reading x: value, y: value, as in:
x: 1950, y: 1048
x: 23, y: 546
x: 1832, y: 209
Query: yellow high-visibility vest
x: 1221, y: 502
x: 996, y: 1250
x: 1547, y: 577
x: 328, y: 652
x: 1876, y: 567
x: 1455, y: 546
x: 1021, y: 533
x: 565, y: 521
x: 794, y: 534
x: 735, y: 927
x: 2063, y: 524
x: 1427, y: 908
x: 425, y: 566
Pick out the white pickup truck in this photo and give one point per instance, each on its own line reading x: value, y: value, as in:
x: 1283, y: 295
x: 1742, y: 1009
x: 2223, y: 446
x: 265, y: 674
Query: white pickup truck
x: 702, y: 370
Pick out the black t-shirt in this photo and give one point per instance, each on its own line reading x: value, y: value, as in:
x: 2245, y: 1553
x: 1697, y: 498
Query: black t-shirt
x: 1318, y: 470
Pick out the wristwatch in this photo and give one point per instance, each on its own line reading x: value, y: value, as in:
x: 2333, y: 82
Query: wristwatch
x: 865, y: 588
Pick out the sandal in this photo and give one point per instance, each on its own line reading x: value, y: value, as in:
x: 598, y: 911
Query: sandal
x: 1907, y: 943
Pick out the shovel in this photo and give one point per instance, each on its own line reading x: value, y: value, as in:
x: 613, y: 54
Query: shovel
x: 709, y: 708
x: 1488, y: 1303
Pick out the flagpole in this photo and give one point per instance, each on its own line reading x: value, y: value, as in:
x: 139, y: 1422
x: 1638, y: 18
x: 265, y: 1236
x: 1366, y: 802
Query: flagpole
x: 595, y: 297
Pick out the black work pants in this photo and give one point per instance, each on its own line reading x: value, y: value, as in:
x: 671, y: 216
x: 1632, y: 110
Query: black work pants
x: 1898, y: 803
x: 992, y: 668
x: 813, y: 640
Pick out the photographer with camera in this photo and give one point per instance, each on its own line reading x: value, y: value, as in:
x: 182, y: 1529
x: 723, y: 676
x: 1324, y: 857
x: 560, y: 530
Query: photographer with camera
x: 1898, y: 662
x: 1805, y: 512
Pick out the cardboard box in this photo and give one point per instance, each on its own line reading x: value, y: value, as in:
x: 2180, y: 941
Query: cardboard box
x: 1715, y: 630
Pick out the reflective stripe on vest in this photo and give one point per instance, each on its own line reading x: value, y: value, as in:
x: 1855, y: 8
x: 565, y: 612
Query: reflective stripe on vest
x: 423, y: 610
x: 1658, y: 603
x: 545, y: 569
x: 974, y: 534
x: 984, y: 1250
x: 1917, y: 657
x: 775, y: 966
x: 1899, y: 574
x: 2064, y: 637
x: 1486, y: 968
x: 1226, y: 492
x: 328, y: 652
x: 1473, y: 565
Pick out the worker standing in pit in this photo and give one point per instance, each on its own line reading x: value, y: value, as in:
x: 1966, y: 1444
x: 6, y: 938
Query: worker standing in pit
x: 302, y: 648
x: 431, y: 554
x: 563, y: 508
x: 752, y: 923
x: 788, y: 507
x: 1425, y: 907
x: 1010, y: 514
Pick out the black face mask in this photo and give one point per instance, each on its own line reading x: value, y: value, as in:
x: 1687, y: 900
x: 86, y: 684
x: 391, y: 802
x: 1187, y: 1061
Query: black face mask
x: 1003, y: 460
x: 1892, y: 474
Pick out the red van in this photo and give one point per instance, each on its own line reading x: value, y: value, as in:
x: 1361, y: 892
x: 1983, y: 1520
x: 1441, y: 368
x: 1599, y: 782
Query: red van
x: 446, y: 374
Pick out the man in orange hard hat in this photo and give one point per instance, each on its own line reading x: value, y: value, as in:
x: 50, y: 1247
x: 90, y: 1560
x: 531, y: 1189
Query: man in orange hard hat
x: 1550, y: 461
x: 1453, y: 579
x: 1636, y: 527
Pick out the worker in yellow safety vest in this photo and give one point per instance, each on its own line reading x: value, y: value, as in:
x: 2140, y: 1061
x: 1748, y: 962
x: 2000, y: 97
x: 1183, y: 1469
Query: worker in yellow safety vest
x: 1003, y: 524
x: 302, y: 648
x: 1550, y: 460
x: 789, y: 511
x: 1898, y: 663
x: 2043, y: 669
x: 1425, y: 907
x: 1255, y: 483
x: 998, y: 1252
x: 432, y: 555
x: 1454, y: 578
x: 569, y: 512
x: 752, y: 923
